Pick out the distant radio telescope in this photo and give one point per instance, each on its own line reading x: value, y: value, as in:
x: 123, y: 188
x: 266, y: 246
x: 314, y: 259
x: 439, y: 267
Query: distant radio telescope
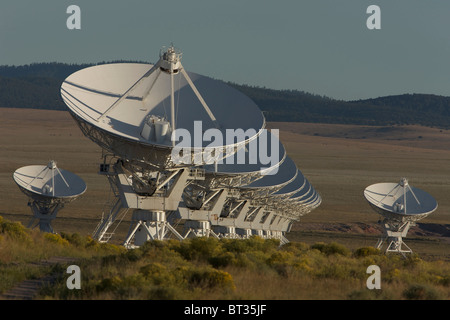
x: 401, y: 205
x: 49, y: 189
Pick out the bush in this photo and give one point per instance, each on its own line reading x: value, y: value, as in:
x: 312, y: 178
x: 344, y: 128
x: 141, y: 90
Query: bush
x: 281, y: 262
x: 109, y: 284
x: 331, y: 248
x: 366, y: 251
x: 296, y: 247
x: 56, y: 238
x: 165, y: 293
x: 251, y: 244
x: 157, y: 273
x: 199, y: 248
x: 75, y: 239
x: 222, y: 260
x: 211, y: 278
x: 15, y: 230
x: 420, y: 292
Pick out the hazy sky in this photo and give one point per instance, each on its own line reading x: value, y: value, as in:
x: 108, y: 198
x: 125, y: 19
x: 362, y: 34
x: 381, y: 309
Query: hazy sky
x: 318, y: 46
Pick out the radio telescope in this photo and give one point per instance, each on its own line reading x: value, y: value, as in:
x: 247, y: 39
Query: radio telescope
x: 166, y: 134
x: 132, y: 109
x: 49, y: 189
x: 401, y: 205
x: 214, y: 202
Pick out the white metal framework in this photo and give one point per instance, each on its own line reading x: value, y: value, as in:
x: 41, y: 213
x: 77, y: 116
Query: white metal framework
x: 122, y: 108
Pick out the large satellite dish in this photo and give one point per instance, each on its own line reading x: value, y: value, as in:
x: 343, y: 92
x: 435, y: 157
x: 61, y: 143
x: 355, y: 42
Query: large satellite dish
x: 246, y: 165
x: 272, y: 181
x: 148, y: 117
x: 132, y: 109
x: 401, y: 205
x: 48, y: 188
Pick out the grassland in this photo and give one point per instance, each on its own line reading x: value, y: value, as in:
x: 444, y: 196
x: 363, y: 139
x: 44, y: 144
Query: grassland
x: 339, y: 160
x: 212, y: 269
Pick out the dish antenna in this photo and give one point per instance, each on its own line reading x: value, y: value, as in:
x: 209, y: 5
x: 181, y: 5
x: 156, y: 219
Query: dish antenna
x: 134, y: 111
x: 212, y: 197
x: 146, y: 118
x: 401, y: 205
x: 49, y: 189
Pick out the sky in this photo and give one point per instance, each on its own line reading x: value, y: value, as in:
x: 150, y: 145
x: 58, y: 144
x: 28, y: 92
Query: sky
x: 317, y: 46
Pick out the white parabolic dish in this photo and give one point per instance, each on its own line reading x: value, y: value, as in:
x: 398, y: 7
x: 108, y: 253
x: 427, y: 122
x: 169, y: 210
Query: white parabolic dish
x: 90, y: 92
x: 43, y: 182
x: 248, y: 160
x: 400, y: 201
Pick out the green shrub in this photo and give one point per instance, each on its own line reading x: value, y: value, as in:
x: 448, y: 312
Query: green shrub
x: 201, y: 248
x: 331, y: 248
x: 335, y: 271
x: 133, y: 255
x: 366, y: 294
x: 366, y: 251
x: 210, y: 278
x: 280, y: 257
x: 222, y: 260
x: 304, y: 265
x: 281, y: 262
x: 251, y: 244
x: 56, y: 238
x: 445, y: 281
x: 157, y: 273
x: 165, y: 293
x: 412, y: 260
x: 75, y: 239
x: 14, y: 230
x: 296, y: 247
x: 109, y: 284
x: 420, y: 292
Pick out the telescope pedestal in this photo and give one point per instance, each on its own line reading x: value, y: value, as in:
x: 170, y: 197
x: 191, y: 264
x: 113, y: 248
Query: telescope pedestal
x: 149, y: 216
x: 195, y: 229
x: 149, y: 225
x: 43, y: 215
x: 394, y: 233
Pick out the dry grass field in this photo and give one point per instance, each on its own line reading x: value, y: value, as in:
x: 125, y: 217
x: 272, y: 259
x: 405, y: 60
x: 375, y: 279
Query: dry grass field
x: 339, y: 160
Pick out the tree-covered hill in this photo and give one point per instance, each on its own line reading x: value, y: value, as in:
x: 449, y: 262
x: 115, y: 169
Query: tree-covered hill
x: 37, y: 86
x: 290, y: 105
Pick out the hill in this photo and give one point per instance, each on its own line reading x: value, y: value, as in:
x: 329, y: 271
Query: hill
x: 37, y: 86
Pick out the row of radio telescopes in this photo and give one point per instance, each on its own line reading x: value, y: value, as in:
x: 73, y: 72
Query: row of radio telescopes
x: 162, y: 130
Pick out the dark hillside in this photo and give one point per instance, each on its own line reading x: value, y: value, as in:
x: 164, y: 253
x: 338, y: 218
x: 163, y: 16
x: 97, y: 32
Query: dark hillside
x: 37, y: 86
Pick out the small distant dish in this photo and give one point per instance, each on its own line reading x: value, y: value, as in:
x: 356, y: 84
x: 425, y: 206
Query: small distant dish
x: 49, y: 182
x: 401, y: 205
x: 400, y: 201
x: 49, y: 189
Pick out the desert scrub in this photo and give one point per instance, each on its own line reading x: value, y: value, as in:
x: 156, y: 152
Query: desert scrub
x: 253, y: 243
x: 209, y: 268
x: 210, y: 278
x: 366, y: 251
x: 331, y: 248
x: 421, y: 292
x: 14, y: 230
x: 56, y: 238
x: 199, y: 248
x: 145, y: 279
